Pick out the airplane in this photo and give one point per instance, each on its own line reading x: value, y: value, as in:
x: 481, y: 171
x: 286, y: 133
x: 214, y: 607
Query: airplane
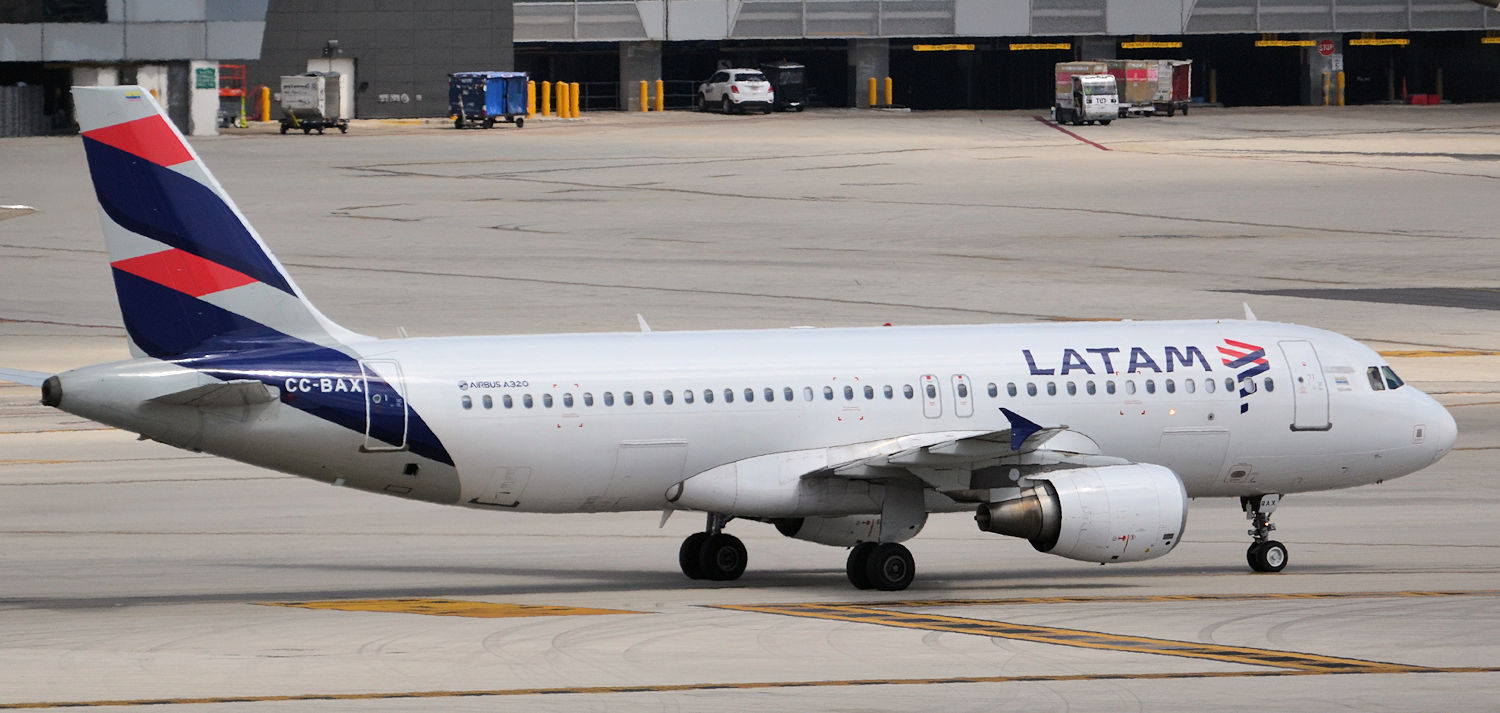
x: 1086, y: 439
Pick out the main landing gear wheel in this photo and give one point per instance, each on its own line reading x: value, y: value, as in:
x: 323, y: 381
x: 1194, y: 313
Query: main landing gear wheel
x: 722, y: 558
x: 859, y: 559
x: 687, y: 556
x: 713, y: 554
x: 1265, y: 554
x: 886, y: 566
x: 1268, y: 556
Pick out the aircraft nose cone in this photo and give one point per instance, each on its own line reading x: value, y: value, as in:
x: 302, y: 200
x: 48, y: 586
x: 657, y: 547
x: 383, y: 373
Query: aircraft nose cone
x: 1443, y: 431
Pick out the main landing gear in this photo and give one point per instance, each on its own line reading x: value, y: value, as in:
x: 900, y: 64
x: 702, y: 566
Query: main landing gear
x: 1265, y: 554
x: 887, y: 566
x: 714, y: 555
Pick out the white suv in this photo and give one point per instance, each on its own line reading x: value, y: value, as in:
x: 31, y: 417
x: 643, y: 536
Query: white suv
x: 737, y: 90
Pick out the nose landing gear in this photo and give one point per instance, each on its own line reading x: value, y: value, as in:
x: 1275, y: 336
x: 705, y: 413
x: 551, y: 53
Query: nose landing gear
x: 1265, y: 554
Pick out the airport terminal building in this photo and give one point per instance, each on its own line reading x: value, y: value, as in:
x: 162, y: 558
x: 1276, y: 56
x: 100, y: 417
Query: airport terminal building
x: 940, y: 54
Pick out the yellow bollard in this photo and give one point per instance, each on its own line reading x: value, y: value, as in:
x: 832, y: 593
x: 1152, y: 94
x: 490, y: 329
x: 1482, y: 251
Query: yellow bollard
x: 1341, y: 88
x: 871, y: 91
x: 573, y: 94
x: 562, y: 100
x: 264, y: 104
x: 530, y: 99
x: 546, y: 98
x: 645, y: 97
x: 890, y: 92
x: 661, y: 95
x: 1326, y: 77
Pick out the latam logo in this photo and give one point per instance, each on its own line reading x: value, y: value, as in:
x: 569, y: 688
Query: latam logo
x: 1249, y: 361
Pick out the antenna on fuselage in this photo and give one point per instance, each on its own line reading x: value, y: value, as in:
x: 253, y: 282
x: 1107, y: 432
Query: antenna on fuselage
x: 1249, y: 316
x: 642, y: 320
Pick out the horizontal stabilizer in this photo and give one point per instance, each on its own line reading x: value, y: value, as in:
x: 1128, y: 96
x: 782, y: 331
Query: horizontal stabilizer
x: 22, y: 376
x: 241, y: 392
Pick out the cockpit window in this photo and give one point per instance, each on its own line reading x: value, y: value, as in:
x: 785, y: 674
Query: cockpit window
x: 1391, y: 380
x: 1376, y: 382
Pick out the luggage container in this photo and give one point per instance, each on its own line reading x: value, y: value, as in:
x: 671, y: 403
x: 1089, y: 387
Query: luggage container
x: 310, y: 102
x: 1174, y: 82
x: 484, y: 98
x: 1136, y: 79
x: 789, y: 81
x: 1063, y: 107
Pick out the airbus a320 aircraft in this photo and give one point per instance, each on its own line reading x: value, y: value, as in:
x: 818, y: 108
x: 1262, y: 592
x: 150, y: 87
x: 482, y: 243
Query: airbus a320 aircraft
x: 1087, y: 439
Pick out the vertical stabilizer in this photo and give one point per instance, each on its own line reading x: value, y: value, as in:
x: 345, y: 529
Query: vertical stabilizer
x: 190, y: 273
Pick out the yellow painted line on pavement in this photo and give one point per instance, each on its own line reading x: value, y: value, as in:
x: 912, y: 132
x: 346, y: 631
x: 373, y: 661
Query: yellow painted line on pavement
x: 690, y: 687
x: 1082, y: 639
x: 1129, y: 598
x: 1404, y: 353
x: 447, y: 607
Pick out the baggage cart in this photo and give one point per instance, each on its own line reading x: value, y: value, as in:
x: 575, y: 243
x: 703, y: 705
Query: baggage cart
x: 310, y: 102
x: 480, y: 99
x: 1174, y: 85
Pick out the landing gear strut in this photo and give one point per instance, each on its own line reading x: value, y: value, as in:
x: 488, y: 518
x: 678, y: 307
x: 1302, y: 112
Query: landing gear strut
x: 1265, y: 554
x: 887, y: 566
x: 714, y: 555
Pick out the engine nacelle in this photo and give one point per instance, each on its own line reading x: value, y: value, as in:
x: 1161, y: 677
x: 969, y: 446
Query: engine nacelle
x: 1115, y: 513
x: 846, y: 531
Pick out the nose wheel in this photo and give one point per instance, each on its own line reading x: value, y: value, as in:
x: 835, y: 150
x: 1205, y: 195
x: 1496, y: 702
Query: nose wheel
x: 713, y: 555
x: 1265, y: 554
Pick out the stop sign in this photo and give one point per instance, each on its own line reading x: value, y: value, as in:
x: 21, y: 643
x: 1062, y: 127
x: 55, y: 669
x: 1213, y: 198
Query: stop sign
x: 1325, y: 47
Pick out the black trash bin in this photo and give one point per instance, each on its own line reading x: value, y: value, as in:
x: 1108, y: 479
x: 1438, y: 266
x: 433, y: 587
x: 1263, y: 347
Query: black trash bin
x: 789, y: 81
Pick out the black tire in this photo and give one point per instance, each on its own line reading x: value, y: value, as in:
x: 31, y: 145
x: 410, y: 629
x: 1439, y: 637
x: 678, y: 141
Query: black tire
x: 1184, y: 111
x: 458, y: 123
x: 1268, y: 556
x: 306, y: 130
x: 343, y: 128
x: 489, y: 122
x: 799, y: 107
x: 725, y: 105
x: 700, y: 102
x: 687, y: 555
x: 320, y: 131
x: 520, y: 121
x: 1171, y: 111
x: 1105, y: 122
x: 859, y: 558
x: 890, y: 567
x: 284, y: 127
x: 767, y: 110
x: 722, y: 558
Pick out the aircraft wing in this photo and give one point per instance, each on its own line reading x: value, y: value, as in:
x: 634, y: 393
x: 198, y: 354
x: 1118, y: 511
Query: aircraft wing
x: 15, y: 211
x: 24, y: 377
x: 963, y: 465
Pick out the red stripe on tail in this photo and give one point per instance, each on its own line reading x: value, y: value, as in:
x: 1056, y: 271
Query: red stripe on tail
x: 150, y: 138
x: 184, y: 272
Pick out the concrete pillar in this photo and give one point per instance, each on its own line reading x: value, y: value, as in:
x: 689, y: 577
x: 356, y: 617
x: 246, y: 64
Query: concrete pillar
x: 639, y: 61
x: 867, y: 58
x: 1317, y: 64
x: 92, y: 76
x: 1091, y: 47
x: 203, y: 98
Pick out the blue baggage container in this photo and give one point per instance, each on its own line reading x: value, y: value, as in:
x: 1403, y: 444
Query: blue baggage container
x: 484, y: 98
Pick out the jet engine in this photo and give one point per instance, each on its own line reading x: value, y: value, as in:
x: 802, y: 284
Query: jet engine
x: 846, y: 531
x: 1116, y: 513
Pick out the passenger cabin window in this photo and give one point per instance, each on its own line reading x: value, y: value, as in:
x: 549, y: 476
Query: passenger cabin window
x: 828, y: 393
x: 1270, y: 385
x: 487, y: 401
x: 993, y: 390
x: 609, y: 398
x: 931, y: 391
x: 906, y: 391
x: 467, y: 402
x: 1051, y: 388
x: 547, y: 400
x: 1030, y: 388
x: 647, y: 398
x: 1189, y: 385
x: 666, y: 397
x: 770, y: 394
x: 567, y: 401
x: 526, y: 401
x: 749, y: 395
x: 628, y: 398
x: 1090, y: 387
x: 687, y: 396
x: 963, y: 391
x: 728, y: 396
x: 807, y: 393
x: 1010, y: 388
x: 1150, y: 386
x: 506, y: 401
x: 1229, y: 383
x: 848, y: 393
x: 1171, y: 386
x: 588, y: 399
x: 1129, y: 386
x: 1209, y: 385
x: 787, y: 393
x: 1248, y: 386
x: 1109, y: 387
x: 890, y: 393
x: 708, y: 396
x: 1072, y: 389
x: 869, y: 392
